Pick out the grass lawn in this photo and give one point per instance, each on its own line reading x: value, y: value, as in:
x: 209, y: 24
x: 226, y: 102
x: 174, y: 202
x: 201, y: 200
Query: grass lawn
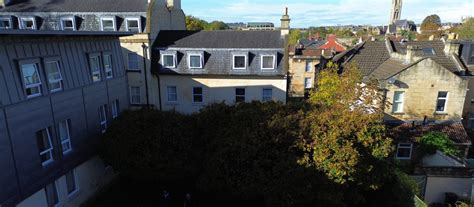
x: 125, y: 193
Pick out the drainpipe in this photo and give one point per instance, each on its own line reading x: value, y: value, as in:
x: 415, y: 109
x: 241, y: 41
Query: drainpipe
x: 145, y: 57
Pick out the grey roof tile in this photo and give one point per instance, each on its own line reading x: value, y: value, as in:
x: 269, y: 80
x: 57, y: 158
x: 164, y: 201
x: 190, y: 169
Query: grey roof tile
x: 219, y: 39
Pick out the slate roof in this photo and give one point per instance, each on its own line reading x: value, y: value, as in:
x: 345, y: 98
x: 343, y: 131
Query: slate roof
x: 374, y: 55
x: 406, y: 133
x: 438, y: 47
x: 77, y: 6
x: 312, y: 43
x: 219, y: 39
x: 17, y: 32
x: 370, y: 56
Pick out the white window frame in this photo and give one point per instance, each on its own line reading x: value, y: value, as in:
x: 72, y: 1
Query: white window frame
x: 266, y: 98
x: 60, y: 80
x: 306, y: 81
x: 404, y: 147
x: 48, y: 150
x: 132, y: 95
x: 137, y: 60
x: 103, y: 114
x: 239, y: 68
x: 195, y: 94
x: 108, y: 19
x: 200, y: 61
x: 21, y: 20
x: 274, y: 62
x: 115, y: 109
x: 35, y: 85
x: 72, y: 19
x: 163, y: 60
x: 9, y: 20
x: 67, y: 139
x: 402, y: 102
x: 93, y: 71
x: 109, y: 74
x: 168, y: 94
x: 134, y: 19
x: 76, y: 183
x: 244, y: 96
x: 445, y: 102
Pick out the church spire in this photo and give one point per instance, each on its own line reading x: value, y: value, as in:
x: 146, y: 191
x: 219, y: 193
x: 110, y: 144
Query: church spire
x: 396, y: 11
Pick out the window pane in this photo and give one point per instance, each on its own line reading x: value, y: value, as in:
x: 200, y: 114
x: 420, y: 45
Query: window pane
x: 442, y: 94
x: 63, y: 130
x: 267, y: 61
x: 239, y: 61
x: 30, y: 74
x: 240, y: 91
x: 108, y: 25
x: 133, y: 26
x: 5, y: 24
x: 440, y: 105
x: 308, y: 83
x: 267, y: 94
x: 197, y: 95
x: 172, y: 93
x: 52, y: 195
x: 70, y: 182
x: 132, y: 61
x: 308, y: 66
x: 168, y: 60
x: 195, y: 61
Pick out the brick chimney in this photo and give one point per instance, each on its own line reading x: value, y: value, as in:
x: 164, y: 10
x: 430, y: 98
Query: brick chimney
x: 176, y: 4
x: 285, y: 23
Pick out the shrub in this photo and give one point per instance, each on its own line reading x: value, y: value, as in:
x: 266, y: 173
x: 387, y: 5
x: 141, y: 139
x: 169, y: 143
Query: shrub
x: 433, y: 141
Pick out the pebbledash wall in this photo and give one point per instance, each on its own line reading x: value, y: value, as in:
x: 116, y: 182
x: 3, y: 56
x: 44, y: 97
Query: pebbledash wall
x: 78, y: 102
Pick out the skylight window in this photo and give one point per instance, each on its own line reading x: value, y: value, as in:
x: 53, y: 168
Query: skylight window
x: 6, y: 23
x: 27, y: 23
x: 429, y: 51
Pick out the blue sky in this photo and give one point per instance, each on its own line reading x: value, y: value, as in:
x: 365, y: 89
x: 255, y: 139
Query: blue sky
x: 306, y: 13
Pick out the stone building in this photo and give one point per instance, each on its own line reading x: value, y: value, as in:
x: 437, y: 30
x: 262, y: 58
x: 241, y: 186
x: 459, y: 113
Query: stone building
x: 304, y: 59
x: 145, y: 18
x: 425, y: 88
x: 56, y: 99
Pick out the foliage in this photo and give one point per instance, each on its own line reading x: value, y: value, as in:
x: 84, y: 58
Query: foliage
x: 151, y: 145
x: 217, y: 25
x: 346, y: 135
x: 194, y: 23
x: 295, y: 35
x: 409, y: 35
x: 433, y: 141
x: 432, y: 20
x: 466, y: 30
x: 344, y: 33
x: 430, y: 27
x: 419, y: 202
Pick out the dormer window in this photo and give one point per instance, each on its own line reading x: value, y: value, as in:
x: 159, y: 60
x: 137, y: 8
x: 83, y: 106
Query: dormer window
x: 268, y: 62
x: 195, y: 61
x: 6, y: 23
x: 133, y: 25
x: 108, y: 24
x: 68, y: 24
x: 239, y: 62
x: 27, y: 23
x: 168, y: 60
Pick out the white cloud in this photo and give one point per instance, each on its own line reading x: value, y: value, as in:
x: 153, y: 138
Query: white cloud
x: 304, y: 14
